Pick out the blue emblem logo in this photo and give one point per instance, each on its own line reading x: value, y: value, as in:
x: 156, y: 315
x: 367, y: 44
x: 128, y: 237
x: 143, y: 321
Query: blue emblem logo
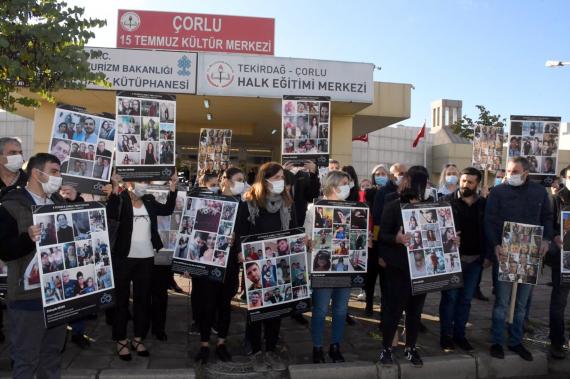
x: 184, y: 64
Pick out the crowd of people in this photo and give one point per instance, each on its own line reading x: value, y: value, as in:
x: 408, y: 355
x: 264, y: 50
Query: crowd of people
x: 276, y: 198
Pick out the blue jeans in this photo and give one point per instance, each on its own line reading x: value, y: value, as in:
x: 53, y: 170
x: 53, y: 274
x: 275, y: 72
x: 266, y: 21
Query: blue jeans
x: 456, y: 303
x: 501, y: 308
x: 321, y: 299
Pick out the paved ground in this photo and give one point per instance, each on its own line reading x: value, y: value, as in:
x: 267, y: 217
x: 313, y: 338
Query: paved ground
x: 360, y: 347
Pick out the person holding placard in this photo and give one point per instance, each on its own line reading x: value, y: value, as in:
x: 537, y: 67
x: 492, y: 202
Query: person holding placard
x: 335, y: 187
x: 523, y: 201
x: 133, y: 257
x: 393, y: 241
x: 268, y: 207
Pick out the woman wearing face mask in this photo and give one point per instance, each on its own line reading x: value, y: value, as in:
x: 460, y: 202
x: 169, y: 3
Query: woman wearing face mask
x: 353, y: 183
x: 213, y: 299
x: 380, y: 179
x: 448, y: 181
x: 268, y: 207
x: 335, y: 187
x: 133, y: 257
x: 398, y: 292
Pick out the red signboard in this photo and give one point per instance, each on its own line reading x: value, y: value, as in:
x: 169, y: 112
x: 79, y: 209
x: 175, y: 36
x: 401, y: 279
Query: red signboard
x: 195, y: 32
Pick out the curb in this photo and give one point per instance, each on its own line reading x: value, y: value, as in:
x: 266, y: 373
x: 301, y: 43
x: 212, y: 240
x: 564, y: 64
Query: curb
x: 147, y: 374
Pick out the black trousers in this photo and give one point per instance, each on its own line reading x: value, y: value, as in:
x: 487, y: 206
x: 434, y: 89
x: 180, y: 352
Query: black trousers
x: 398, y: 299
x: 161, y: 275
x: 214, y: 304
x: 371, y: 275
x: 253, y: 332
x: 558, y: 301
x: 139, y: 272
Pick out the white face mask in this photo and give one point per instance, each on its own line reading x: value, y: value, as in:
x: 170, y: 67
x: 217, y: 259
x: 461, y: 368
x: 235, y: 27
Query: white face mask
x: 515, y: 180
x: 398, y: 180
x: 351, y: 185
x: 277, y: 187
x: 140, y: 189
x: 214, y: 189
x: 15, y: 162
x: 52, y: 185
x: 344, y: 192
x: 237, y: 188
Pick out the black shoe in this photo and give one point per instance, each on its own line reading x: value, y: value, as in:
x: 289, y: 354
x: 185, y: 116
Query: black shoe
x: 522, y: 352
x: 497, y: 351
x: 80, y: 340
x: 368, y: 311
x: 300, y: 319
x: 222, y: 353
x: 557, y: 351
x: 141, y: 353
x: 350, y: 320
x: 479, y: 296
x: 203, y: 355
x: 334, y: 353
x: 413, y: 356
x: 446, y: 343
x: 318, y: 355
x: 161, y: 336
x: 386, y: 357
x: 124, y: 346
x: 422, y: 328
x: 463, y: 344
x: 2, y: 336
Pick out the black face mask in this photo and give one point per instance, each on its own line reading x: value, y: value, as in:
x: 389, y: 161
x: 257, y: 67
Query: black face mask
x: 467, y: 192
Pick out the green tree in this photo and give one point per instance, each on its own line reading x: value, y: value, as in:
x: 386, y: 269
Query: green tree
x: 41, y: 49
x: 464, y: 127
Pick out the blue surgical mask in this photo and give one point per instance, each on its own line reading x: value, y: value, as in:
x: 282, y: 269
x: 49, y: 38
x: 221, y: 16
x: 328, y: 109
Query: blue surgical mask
x: 451, y: 179
x: 381, y: 180
x: 498, y: 181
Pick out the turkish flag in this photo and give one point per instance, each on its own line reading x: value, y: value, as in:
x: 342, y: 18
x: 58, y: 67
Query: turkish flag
x: 421, y: 134
x: 363, y: 138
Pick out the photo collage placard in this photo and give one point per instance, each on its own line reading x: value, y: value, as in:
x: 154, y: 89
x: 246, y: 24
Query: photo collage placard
x: 519, y: 260
x: 214, y: 151
x: 276, y: 274
x: 305, y: 128
x: 74, y: 260
x: 146, y: 136
x: 340, y: 244
x: 565, y: 253
x: 433, y: 254
x: 168, y: 226
x: 537, y: 139
x: 84, y: 143
x: 203, y: 241
x: 488, y: 147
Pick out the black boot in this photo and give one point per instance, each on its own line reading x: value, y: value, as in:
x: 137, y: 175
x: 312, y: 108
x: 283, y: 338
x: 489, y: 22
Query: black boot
x: 334, y: 353
x: 318, y: 355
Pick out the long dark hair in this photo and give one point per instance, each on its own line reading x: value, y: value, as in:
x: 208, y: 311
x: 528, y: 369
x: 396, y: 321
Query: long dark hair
x: 413, y: 185
x: 354, y: 177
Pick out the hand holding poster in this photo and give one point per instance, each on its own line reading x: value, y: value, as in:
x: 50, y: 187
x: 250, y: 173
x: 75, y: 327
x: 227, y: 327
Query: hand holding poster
x: 205, y: 233
x: 276, y: 275
x: 565, y: 253
x: 433, y: 254
x: 74, y: 260
x: 84, y: 143
x: 488, y: 147
x: 519, y: 258
x: 340, y: 244
x: 214, y: 151
x: 146, y: 142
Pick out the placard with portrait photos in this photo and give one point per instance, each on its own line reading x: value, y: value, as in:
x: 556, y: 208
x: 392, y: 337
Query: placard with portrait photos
x: 276, y: 274
x: 519, y: 260
x: 85, y: 144
x: 565, y: 252
x: 305, y: 129
x: 167, y: 226
x: 537, y: 139
x: 146, y: 136
x: 74, y: 260
x: 488, y: 147
x: 204, y: 237
x: 433, y: 254
x: 214, y: 150
x: 340, y: 244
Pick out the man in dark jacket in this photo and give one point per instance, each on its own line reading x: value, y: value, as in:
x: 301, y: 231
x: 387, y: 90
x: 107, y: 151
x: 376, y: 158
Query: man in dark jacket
x: 35, y: 349
x: 518, y: 200
x: 468, y: 212
x: 560, y: 290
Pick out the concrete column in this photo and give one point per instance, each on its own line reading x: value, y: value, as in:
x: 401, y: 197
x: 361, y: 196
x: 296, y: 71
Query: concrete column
x: 341, y: 139
x: 43, y: 118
